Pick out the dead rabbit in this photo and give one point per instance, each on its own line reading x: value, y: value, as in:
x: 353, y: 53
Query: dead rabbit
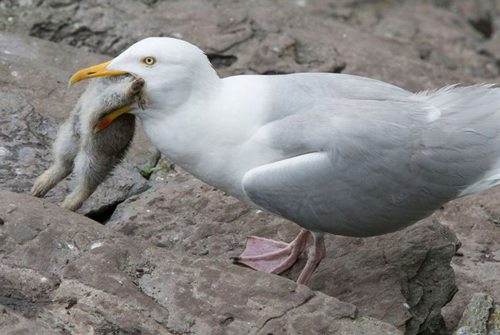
x: 95, y: 138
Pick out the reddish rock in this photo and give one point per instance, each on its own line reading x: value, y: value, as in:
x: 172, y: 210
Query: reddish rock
x: 402, y: 278
x: 476, y: 221
x: 90, y: 279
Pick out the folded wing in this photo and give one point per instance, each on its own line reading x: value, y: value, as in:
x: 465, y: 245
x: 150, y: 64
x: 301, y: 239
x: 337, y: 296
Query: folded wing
x: 363, y: 168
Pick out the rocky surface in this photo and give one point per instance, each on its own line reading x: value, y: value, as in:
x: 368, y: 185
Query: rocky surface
x: 475, y: 220
x: 480, y: 317
x: 403, y: 278
x: 275, y: 36
x: 406, y: 275
x: 90, y: 279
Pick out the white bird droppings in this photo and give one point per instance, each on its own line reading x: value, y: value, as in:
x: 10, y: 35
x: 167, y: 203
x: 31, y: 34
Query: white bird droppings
x: 14, y: 73
x: 70, y: 246
x: 95, y: 245
x: 44, y: 280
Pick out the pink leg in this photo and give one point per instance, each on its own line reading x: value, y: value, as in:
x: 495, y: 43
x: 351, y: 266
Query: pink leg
x: 314, y: 256
x: 272, y: 256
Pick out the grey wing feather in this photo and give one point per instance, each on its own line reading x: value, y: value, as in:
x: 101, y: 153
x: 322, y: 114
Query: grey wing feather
x: 363, y: 168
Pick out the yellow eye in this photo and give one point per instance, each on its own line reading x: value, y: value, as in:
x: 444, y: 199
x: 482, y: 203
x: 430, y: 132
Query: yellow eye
x: 148, y: 60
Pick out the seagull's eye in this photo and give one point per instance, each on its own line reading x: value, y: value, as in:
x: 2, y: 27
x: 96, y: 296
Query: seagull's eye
x: 148, y: 60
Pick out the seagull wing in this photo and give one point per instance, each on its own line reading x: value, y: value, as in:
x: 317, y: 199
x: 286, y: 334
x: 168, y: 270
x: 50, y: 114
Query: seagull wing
x: 363, y: 168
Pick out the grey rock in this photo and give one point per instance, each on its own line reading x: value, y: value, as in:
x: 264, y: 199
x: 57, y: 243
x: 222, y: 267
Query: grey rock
x: 271, y: 37
x: 402, y: 278
x: 476, y: 315
x: 494, y: 321
x: 477, y: 268
x: 14, y: 323
x: 30, y: 112
x: 441, y: 37
x: 90, y: 279
x: 23, y: 141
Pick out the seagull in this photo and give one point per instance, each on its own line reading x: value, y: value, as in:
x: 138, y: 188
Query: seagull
x: 334, y: 153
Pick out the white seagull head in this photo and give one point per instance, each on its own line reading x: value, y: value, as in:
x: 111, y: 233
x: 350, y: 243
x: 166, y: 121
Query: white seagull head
x: 174, y: 71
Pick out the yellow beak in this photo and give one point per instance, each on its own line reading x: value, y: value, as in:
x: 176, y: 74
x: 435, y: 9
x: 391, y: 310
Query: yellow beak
x: 93, y: 72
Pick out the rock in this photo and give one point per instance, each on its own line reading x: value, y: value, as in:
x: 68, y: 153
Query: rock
x: 125, y: 181
x: 23, y: 142
x: 404, y: 283
x: 38, y: 71
x: 367, y: 272
x: 477, y: 268
x: 476, y: 315
x: 29, y: 116
x: 90, y: 279
x: 268, y: 38
x: 442, y: 35
x: 494, y: 321
x: 480, y: 317
x: 15, y: 323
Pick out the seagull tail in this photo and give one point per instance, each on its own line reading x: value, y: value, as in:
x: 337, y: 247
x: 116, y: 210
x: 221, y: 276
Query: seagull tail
x: 470, y: 122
